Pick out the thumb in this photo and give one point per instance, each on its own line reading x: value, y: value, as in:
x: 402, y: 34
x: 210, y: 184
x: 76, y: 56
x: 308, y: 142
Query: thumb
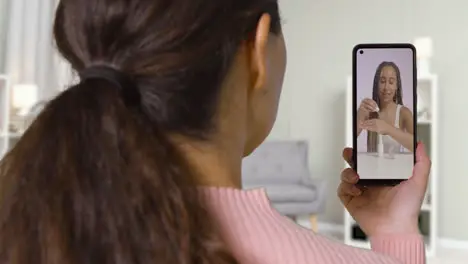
x: 422, y: 168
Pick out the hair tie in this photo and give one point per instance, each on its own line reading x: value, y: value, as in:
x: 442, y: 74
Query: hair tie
x: 119, y: 79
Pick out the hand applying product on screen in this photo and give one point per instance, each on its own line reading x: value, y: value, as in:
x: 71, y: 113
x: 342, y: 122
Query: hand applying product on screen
x: 376, y: 125
x: 383, y: 210
x: 366, y: 107
x: 403, y: 136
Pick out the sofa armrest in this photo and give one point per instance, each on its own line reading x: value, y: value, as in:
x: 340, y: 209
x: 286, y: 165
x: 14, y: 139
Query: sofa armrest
x: 321, y: 186
x: 314, y: 182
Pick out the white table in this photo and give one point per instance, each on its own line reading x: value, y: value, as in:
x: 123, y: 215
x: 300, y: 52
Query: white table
x: 371, y: 166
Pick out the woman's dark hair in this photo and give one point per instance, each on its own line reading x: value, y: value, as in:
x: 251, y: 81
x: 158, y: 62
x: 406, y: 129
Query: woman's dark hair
x: 372, y: 137
x: 96, y: 179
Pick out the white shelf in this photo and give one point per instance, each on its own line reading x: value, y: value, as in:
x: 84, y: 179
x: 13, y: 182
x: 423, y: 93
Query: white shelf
x: 424, y: 122
x: 360, y: 244
x: 426, y: 207
x: 428, y: 133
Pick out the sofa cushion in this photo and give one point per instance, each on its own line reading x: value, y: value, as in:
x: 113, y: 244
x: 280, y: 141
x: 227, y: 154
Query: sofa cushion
x: 276, y: 162
x: 289, y: 193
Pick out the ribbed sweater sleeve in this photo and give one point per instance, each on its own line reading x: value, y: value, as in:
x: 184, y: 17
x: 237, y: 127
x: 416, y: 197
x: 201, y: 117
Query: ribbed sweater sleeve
x: 257, y: 234
x: 406, y: 248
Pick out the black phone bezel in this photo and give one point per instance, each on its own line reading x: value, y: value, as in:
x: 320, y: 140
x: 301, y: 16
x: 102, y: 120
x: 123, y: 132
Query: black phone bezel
x: 381, y: 182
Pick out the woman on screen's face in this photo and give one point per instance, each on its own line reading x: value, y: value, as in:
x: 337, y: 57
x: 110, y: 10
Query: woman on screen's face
x: 388, y: 84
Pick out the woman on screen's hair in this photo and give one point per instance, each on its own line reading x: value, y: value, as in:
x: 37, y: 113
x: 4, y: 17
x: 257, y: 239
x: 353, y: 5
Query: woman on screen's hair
x: 390, y: 117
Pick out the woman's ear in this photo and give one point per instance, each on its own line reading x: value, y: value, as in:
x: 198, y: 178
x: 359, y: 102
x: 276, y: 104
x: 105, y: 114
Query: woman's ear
x: 259, y: 51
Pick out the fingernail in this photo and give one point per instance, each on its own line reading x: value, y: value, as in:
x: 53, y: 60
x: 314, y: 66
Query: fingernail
x: 420, y: 149
x: 421, y: 145
x: 352, y: 177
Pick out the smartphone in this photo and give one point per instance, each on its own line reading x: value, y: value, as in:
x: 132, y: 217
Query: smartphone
x: 384, y: 113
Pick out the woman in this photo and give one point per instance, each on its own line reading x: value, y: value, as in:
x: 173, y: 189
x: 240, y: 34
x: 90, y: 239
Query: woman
x: 172, y: 95
x: 395, y: 121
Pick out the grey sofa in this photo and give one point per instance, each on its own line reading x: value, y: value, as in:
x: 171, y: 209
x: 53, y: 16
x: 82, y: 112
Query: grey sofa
x: 281, y: 167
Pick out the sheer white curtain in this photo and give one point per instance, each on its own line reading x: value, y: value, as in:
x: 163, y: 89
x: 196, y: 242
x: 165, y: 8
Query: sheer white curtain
x: 30, y: 56
x: 3, y: 27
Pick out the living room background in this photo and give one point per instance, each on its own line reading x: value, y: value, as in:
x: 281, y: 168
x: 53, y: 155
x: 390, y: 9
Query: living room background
x: 320, y: 35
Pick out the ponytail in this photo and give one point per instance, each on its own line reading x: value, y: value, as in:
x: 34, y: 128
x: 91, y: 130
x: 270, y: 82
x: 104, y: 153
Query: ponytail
x: 94, y: 181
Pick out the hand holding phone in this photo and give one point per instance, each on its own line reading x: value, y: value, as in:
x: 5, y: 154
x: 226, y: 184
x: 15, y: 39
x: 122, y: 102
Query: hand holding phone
x: 386, y: 210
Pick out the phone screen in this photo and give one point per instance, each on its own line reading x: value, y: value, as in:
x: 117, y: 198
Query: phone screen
x: 384, y: 85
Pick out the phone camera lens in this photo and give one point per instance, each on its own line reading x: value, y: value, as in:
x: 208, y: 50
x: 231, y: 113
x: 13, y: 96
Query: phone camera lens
x: 361, y: 52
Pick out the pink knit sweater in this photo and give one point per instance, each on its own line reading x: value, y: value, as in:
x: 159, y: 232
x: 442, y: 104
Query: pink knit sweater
x: 258, y: 234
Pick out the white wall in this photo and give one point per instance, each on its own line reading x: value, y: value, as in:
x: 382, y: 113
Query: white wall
x: 320, y: 35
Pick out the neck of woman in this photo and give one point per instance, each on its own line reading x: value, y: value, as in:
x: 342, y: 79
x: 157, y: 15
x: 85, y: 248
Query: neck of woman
x: 213, y: 165
x: 387, y: 106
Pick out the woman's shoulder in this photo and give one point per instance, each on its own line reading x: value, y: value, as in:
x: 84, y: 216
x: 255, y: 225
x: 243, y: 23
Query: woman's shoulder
x: 405, y: 112
x: 257, y: 233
